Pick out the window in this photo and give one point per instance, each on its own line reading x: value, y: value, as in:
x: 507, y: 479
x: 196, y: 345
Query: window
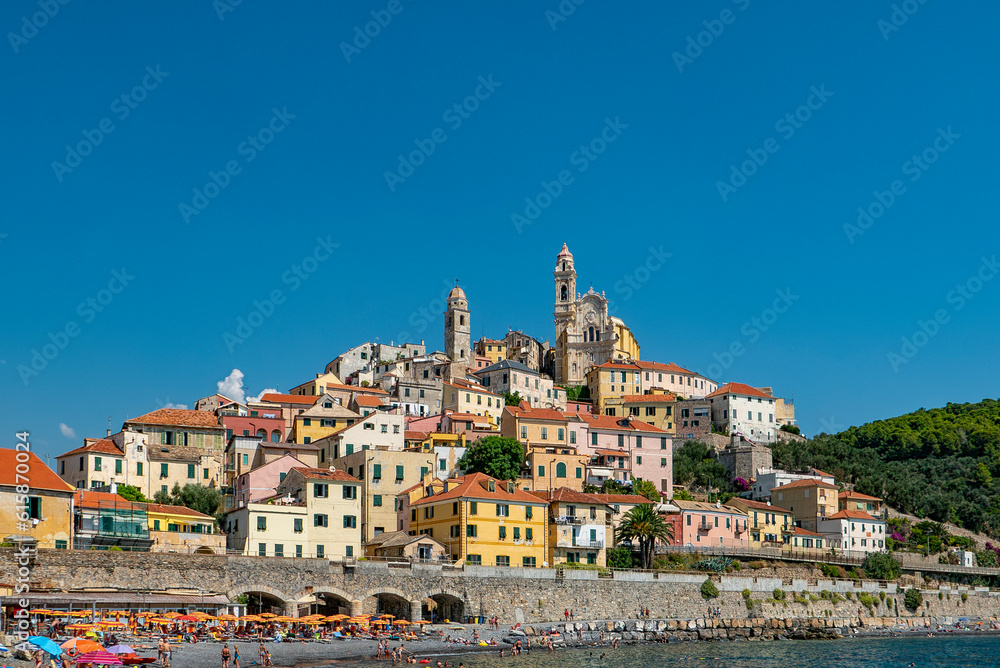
x: 591, y: 557
x: 650, y: 410
x: 527, y: 512
x: 503, y: 532
x: 306, y: 422
x: 528, y: 534
x: 321, y: 490
x: 545, y: 433
x: 297, y: 525
x: 138, y: 468
x: 561, y: 470
x: 350, y: 522
x: 246, y: 459
x: 688, y: 521
x: 350, y: 492
x: 321, y: 520
x: 579, y: 472
x: 261, y: 549
x: 503, y: 560
x: 528, y: 562
x: 442, y: 464
x: 377, y: 500
x: 81, y: 463
x: 399, y: 474
x: 97, y: 463
x: 429, y: 513
x: 34, y: 507
x: 572, y: 437
x: 541, y: 470
x: 517, y: 533
x: 190, y: 470
x: 474, y: 560
x: 473, y: 507
x: 593, y: 438
x: 61, y: 545
x: 204, y: 474
x: 561, y: 434
x: 621, y: 440
x: 262, y: 523
x: 471, y: 530
x: 349, y: 552
x: 118, y: 466
x: 279, y: 550
x: 503, y: 510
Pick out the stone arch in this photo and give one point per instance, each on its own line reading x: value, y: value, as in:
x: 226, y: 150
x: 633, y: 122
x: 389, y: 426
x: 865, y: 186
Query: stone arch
x: 445, y: 603
x: 204, y: 549
x: 392, y: 601
x: 261, y: 596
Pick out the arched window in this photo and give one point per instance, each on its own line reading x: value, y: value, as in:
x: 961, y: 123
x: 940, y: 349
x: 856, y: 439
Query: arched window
x: 574, y: 369
x: 562, y: 292
x: 461, y: 320
x: 590, y: 332
x: 461, y: 354
x: 262, y: 433
x: 560, y: 470
x: 275, y: 436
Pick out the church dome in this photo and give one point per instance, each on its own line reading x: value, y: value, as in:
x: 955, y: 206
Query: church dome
x: 456, y: 293
x: 565, y: 252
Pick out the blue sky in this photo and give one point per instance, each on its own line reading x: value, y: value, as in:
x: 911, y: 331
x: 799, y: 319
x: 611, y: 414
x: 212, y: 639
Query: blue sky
x: 254, y: 139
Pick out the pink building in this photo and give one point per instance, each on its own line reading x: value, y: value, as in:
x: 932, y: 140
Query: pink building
x: 648, y: 450
x: 710, y: 525
x: 262, y: 481
x: 265, y: 428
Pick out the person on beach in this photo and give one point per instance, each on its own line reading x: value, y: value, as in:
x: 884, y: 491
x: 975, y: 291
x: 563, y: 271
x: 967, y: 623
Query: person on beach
x: 226, y: 654
x: 236, y: 656
x: 262, y: 651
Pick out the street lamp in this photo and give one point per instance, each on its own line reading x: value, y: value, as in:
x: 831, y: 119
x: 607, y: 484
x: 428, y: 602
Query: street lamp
x: 550, y: 475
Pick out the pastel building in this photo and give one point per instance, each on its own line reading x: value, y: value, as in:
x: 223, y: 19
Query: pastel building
x: 710, y: 525
x: 769, y: 526
x: 578, y: 527
x: 48, y: 502
x: 809, y: 500
x: 740, y: 409
x: 853, y: 531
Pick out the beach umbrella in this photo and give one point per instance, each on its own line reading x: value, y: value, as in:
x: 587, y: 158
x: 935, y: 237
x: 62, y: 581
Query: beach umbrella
x: 121, y: 649
x: 81, y: 645
x: 267, y: 614
x: 387, y: 616
x: 186, y: 618
x: 111, y: 624
x: 45, y: 644
x: 228, y: 618
x: 4, y: 648
x: 80, y: 626
x: 100, y: 658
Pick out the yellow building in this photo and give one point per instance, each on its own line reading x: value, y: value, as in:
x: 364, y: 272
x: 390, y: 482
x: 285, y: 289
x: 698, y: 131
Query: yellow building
x: 656, y: 409
x: 849, y: 500
x: 809, y: 500
x: 495, y: 350
x: 461, y: 396
x: 485, y: 521
x: 316, y: 386
x: 181, y: 529
x: 323, y: 418
x: 37, y: 504
x: 769, y: 526
x: 551, y: 454
x: 609, y: 383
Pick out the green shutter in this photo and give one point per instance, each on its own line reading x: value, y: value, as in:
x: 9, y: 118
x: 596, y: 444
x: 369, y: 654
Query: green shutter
x: 399, y: 472
x: 377, y: 471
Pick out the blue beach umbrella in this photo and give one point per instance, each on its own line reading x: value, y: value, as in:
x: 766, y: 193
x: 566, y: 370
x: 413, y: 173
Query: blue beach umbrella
x: 45, y: 644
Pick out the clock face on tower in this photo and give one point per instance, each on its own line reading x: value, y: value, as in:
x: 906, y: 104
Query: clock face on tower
x: 590, y: 317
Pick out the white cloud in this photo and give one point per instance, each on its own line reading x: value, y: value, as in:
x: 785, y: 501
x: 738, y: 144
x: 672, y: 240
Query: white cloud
x: 270, y: 390
x: 172, y: 405
x: 67, y: 431
x: 232, y: 386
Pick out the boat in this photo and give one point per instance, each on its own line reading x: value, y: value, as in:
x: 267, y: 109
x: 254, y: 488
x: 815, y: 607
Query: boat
x: 133, y: 660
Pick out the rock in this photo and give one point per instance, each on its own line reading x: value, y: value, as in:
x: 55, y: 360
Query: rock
x: 518, y: 632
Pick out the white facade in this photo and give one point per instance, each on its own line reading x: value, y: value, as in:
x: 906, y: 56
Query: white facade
x: 853, y: 532
x: 673, y: 378
x: 748, y: 415
x: 768, y: 479
x: 378, y: 431
x: 536, y: 389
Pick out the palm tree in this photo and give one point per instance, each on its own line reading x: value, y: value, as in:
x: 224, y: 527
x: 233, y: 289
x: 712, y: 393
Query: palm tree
x: 645, y: 525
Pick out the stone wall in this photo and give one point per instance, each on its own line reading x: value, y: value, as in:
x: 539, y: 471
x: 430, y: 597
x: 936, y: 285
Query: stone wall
x: 528, y: 596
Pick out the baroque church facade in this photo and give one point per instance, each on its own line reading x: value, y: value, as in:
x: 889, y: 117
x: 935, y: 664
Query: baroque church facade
x: 586, y: 334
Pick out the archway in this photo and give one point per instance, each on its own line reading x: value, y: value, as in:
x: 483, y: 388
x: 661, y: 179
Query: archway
x: 438, y: 607
x: 258, y: 602
x: 328, y: 603
x: 204, y: 550
x: 388, y: 603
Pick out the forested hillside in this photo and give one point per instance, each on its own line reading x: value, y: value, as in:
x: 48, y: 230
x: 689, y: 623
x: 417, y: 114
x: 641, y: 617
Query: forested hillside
x: 942, y: 464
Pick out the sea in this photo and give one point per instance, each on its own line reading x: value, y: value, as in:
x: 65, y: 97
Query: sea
x: 943, y: 650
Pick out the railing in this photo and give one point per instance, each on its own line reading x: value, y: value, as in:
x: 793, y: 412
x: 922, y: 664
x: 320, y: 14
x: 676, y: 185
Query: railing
x: 592, y: 544
x: 568, y: 519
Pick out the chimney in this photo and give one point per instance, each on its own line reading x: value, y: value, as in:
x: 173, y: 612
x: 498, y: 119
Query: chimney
x: 108, y: 431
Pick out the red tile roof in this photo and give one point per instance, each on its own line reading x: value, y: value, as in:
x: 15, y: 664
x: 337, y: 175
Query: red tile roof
x: 567, y: 495
x: 536, y: 413
x: 612, y: 453
x: 39, y: 475
x: 85, y: 498
x: 471, y: 387
x: 621, y: 498
x: 176, y: 510
x: 103, y: 446
x: 178, y: 417
x: 645, y: 398
x: 324, y: 474
x: 616, y: 365
x: 612, y: 422
x: 739, y: 388
x: 760, y: 505
x: 799, y: 531
x: 809, y: 482
x: 822, y: 473
x: 356, y: 388
x: 363, y: 400
x: 857, y: 495
x: 853, y: 515
x: 670, y: 367
x: 290, y: 398
x: 476, y: 486
x: 415, y: 435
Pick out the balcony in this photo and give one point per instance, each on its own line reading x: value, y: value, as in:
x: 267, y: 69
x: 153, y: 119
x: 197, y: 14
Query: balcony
x: 568, y: 519
x: 589, y: 544
x: 704, y: 527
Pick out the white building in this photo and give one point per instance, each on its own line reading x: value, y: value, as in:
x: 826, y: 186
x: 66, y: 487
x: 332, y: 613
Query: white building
x: 378, y: 431
x: 512, y: 376
x: 740, y: 409
x: 853, y: 531
x: 768, y: 479
x: 675, y: 379
x: 315, y: 513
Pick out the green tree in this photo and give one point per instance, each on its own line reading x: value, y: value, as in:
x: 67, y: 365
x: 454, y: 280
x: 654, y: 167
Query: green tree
x: 577, y: 393
x: 197, y: 497
x: 163, y: 498
x: 646, y: 526
x: 645, y: 488
x: 708, y: 589
x: 881, y: 566
x: 612, y: 486
x: 132, y: 493
x: 496, y: 456
x: 791, y: 428
x: 913, y: 599
x: 620, y: 557
x: 512, y: 399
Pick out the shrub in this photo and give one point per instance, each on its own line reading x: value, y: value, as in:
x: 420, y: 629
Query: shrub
x: 736, y: 566
x: 714, y: 564
x: 779, y: 594
x: 849, y: 596
x: 825, y: 595
x: 881, y: 596
x: 756, y: 565
x: 114, y: 548
x: 965, y: 596
x: 620, y: 557
x: 940, y: 595
x: 881, y: 566
x: 913, y: 599
x: 708, y: 589
x: 868, y: 601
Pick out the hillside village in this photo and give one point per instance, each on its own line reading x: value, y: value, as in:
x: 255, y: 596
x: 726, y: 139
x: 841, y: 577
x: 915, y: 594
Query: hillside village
x: 363, y: 459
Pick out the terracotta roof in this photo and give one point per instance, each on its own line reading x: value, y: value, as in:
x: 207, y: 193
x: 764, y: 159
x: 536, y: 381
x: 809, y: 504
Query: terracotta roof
x: 84, y: 498
x: 739, y: 388
x: 290, y: 398
x: 176, y: 510
x: 567, y: 495
x: 799, y: 531
x: 857, y: 495
x: 760, y: 505
x: 40, y: 476
x: 822, y: 473
x: 808, y: 482
x: 180, y: 417
x: 103, y: 446
x: 471, y: 387
x: 621, y: 498
x: 364, y: 400
x: 645, y: 398
x: 853, y: 515
x: 702, y: 507
x: 357, y: 388
x: 409, y: 435
x: 287, y: 445
x: 616, y: 365
x: 475, y: 486
x: 537, y: 413
x: 659, y: 366
x: 618, y: 423
x: 324, y: 474
x: 613, y: 453
x: 485, y: 340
